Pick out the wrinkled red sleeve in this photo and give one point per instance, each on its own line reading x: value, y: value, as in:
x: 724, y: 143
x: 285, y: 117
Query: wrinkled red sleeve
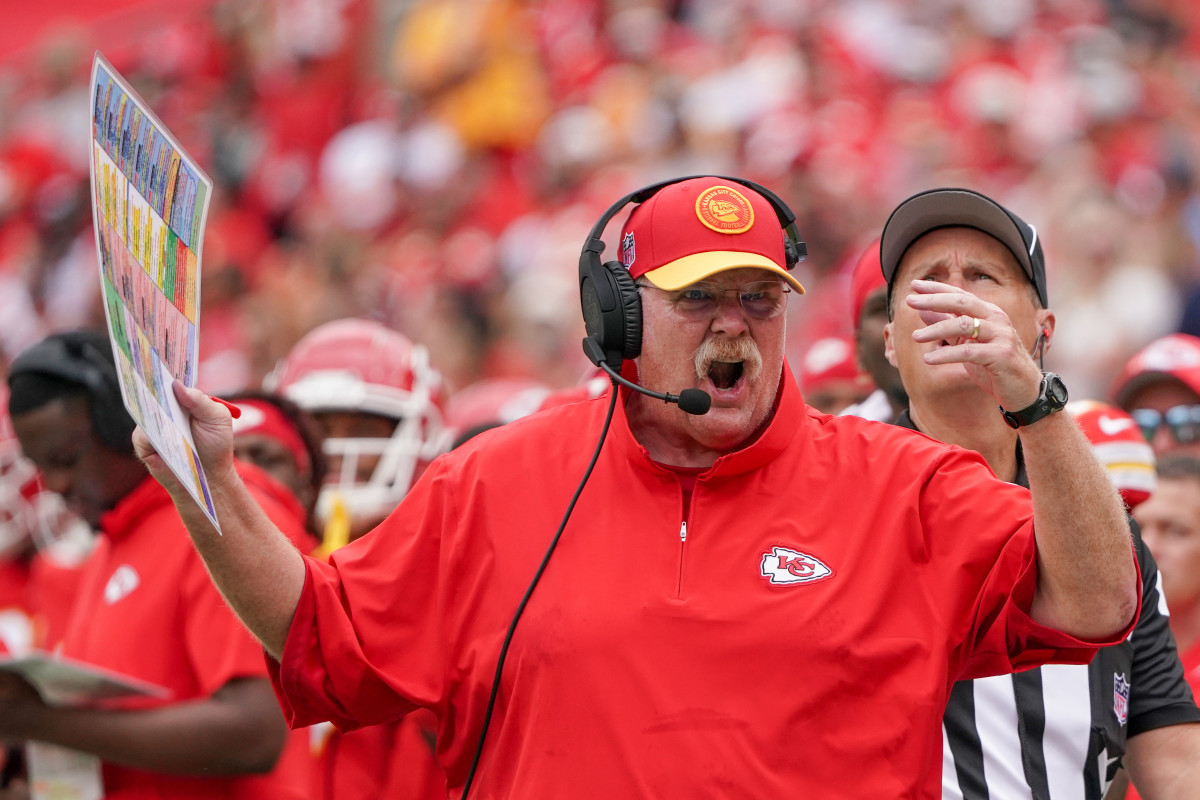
x: 967, y: 520
x: 367, y: 640
x: 219, y: 648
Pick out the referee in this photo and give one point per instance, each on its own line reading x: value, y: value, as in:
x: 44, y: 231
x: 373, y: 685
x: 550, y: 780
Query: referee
x: 1055, y: 732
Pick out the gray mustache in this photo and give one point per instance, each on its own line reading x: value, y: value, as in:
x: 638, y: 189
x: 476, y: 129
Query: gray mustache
x: 740, y: 349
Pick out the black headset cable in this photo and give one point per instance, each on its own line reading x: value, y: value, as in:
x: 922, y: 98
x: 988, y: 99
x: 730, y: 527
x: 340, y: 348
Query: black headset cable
x: 537, y: 576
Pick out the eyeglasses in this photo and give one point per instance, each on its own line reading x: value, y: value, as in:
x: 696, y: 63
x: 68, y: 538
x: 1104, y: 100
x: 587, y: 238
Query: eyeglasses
x: 759, y: 300
x: 1182, y: 421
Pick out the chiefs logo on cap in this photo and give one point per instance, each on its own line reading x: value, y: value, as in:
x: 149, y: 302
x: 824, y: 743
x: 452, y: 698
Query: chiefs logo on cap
x: 725, y: 210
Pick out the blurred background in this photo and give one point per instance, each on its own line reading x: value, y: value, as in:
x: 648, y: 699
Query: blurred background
x: 436, y: 164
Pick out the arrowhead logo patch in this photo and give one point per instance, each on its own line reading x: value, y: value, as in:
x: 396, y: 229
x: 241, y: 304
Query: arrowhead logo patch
x: 783, y: 565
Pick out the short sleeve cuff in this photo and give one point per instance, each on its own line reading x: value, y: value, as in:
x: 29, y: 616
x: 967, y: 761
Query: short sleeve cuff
x: 1031, y: 644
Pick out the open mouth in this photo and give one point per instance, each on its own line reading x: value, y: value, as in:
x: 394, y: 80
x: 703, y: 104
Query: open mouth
x: 725, y: 374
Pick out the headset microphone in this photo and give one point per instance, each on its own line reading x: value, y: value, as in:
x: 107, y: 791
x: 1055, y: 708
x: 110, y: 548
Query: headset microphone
x: 690, y: 401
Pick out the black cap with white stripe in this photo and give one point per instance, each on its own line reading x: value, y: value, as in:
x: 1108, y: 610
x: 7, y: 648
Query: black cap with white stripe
x: 953, y: 208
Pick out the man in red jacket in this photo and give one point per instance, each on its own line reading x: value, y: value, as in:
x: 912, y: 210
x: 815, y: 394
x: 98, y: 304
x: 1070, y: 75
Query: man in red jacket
x: 755, y: 601
x: 145, y: 609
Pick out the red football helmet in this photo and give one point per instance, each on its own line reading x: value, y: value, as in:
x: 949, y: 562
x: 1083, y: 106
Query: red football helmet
x: 360, y: 366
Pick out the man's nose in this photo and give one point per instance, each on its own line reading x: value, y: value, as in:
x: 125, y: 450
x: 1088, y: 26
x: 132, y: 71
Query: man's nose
x: 730, y: 317
x: 1163, y: 442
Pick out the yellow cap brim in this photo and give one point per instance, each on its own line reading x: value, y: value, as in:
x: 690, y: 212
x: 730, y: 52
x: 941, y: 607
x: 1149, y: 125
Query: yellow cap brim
x: 687, y: 270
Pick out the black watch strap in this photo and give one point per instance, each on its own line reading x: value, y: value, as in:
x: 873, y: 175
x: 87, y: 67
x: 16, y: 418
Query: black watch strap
x: 1051, y: 397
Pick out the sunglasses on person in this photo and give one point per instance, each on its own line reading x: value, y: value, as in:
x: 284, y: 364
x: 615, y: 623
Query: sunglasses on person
x: 1182, y: 421
x: 759, y: 300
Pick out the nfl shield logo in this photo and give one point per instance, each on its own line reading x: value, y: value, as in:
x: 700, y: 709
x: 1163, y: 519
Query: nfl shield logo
x: 1120, y: 697
x: 628, y: 253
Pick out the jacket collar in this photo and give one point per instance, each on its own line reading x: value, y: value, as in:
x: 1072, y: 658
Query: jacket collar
x: 787, y: 421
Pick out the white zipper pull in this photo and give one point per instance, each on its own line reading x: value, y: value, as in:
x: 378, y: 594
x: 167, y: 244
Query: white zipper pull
x: 683, y: 531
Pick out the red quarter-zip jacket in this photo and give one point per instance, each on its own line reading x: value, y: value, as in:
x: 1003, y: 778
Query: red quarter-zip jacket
x: 837, y: 576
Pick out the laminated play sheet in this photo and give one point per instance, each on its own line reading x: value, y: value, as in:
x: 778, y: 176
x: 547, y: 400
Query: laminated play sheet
x: 150, y: 205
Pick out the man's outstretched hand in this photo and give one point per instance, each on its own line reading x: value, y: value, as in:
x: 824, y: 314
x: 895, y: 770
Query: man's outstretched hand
x: 212, y: 433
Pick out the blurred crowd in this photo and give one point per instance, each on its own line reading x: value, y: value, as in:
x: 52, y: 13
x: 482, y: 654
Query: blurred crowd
x: 402, y: 188
x: 435, y: 164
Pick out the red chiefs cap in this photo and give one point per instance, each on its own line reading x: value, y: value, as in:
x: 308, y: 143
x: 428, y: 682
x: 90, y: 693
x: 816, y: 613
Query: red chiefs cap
x: 866, y: 278
x: 1172, y: 357
x: 1118, y: 443
x: 690, y: 230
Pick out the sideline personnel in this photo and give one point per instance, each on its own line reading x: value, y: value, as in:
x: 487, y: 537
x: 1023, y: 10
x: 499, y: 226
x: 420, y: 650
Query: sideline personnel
x: 1057, y: 732
x: 735, y: 593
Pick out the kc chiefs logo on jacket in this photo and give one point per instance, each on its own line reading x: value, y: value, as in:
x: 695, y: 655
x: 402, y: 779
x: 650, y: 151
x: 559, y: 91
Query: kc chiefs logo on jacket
x: 783, y: 565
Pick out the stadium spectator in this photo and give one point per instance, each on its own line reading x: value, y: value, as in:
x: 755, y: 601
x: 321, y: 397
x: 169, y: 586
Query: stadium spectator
x: 830, y: 377
x: 1170, y: 521
x: 435, y: 188
x: 1160, y: 388
x: 869, y: 315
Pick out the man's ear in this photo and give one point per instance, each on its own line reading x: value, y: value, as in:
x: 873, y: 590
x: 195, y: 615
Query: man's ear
x: 889, y: 352
x: 1046, y: 320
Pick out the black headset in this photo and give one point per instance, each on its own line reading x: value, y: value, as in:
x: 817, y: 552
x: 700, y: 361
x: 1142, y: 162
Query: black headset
x: 85, y: 359
x: 612, y: 307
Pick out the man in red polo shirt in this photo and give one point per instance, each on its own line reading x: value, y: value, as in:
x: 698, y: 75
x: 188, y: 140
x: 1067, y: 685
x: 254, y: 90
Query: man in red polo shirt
x: 146, y: 608
x: 755, y: 601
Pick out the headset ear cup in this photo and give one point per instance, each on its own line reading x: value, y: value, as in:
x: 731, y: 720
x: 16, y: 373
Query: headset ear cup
x: 631, y: 309
x: 791, y: 256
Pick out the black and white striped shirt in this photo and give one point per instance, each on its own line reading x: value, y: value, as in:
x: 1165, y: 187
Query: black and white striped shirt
x: 1058, y: 732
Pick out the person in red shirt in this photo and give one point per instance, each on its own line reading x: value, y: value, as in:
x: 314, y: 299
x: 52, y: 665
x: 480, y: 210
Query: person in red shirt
x: 1170, y: 520
x: 1160, y: 388
x: 759, y: 600
x: 375, y: 404
x: 280, y: 438
x: 41, y: 549
x: 146, y: 608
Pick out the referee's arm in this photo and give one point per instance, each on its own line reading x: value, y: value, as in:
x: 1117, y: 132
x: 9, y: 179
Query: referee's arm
x: 1164, y: 763
x: 1087, y: 575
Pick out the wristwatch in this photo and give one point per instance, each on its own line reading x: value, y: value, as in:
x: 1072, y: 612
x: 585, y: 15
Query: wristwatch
x: 1051, y: 398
